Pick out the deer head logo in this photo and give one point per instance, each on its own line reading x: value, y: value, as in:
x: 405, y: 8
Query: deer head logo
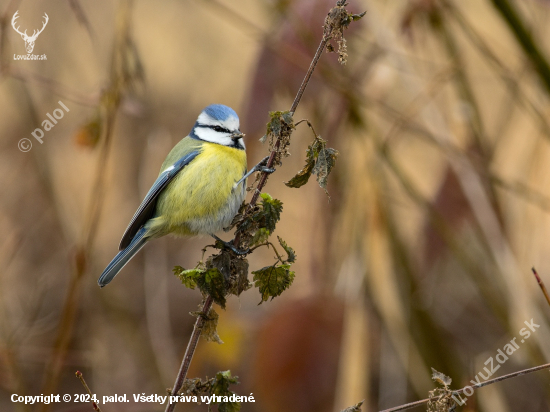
x: 29, y: 40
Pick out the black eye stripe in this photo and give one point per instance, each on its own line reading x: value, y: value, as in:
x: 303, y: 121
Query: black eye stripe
x: 217, y: 128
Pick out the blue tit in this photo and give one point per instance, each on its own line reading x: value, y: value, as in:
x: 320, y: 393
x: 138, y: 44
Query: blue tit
x: 199, y: 190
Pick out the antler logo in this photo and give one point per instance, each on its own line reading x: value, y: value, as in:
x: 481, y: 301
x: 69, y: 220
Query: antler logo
x: 29, y: 40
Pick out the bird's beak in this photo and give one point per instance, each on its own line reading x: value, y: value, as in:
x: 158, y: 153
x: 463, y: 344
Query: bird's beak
x: 237, y: 136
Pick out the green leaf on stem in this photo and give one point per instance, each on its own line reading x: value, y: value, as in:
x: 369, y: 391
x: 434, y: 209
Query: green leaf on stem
x: 257, y: 225
x: 261, y: 236
x: 271, y: 212
x: 220, y: 387
x: 213, y: 283
x: 210, y: 281
x: 221, y: 383
x: 289, y: 251
x: 273, y: 280
x: 188, y: 277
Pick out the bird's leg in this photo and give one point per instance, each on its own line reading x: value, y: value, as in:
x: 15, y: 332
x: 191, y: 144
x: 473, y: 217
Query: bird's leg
x: 260, y: 167
x: 231, y: 246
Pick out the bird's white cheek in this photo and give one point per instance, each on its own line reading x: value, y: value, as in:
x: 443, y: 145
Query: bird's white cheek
x: 210, y: 135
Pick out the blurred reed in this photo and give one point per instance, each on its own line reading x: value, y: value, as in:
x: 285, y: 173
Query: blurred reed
x: 439, y: 199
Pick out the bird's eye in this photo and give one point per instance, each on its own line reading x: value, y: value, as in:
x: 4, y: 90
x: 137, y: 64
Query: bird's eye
x: 218, y: 129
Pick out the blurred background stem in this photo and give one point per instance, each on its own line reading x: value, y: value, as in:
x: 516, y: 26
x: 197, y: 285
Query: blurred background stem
x: 120, y: 79
x: 511, y: 15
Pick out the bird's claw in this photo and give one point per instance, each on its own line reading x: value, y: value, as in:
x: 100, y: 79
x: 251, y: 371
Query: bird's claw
x: 262, y: 166
x: 265, y: 169
x: 231, y: 246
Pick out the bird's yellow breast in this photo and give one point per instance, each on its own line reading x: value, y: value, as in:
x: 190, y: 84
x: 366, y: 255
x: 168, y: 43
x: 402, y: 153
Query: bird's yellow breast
x: 202, y: 197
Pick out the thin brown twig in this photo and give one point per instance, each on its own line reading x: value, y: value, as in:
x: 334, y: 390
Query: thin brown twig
x: 191, y: 347
x: 190, y: 351
x: 477, y: 386
x: 81, y: 377
x: 541, y: 284
x: 69, y: 314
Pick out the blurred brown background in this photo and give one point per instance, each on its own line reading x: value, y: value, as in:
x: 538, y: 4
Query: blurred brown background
x: 439, y: 200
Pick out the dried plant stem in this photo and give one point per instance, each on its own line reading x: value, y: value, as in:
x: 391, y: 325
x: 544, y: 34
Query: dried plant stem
x: 190, y: 351
x: 184, y: 368
x: 320, y: 49
x: 542, y: 286
x: 111, y: 101
x: 479, y: 385
x: 71, y: 305
x: 511, y: 16
x: 94, y: 404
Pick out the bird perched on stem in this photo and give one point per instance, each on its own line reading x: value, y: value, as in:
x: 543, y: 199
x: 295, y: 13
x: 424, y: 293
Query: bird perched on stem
x: 199, y: 190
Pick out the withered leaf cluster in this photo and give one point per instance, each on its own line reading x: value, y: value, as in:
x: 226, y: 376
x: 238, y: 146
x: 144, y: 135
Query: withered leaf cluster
x: 219, y: 276
x: 256, y: 225
x: 218, y: 385
x: 320, y: 160
x: 279, y: 129
x: 441, y: 398
x: 336, y: 21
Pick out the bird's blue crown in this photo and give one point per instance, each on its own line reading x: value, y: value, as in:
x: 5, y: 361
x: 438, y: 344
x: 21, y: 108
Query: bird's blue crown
x: 220, y: 112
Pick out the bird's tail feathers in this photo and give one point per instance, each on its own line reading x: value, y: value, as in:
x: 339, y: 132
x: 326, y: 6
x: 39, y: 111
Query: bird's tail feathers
x: 123, y: 257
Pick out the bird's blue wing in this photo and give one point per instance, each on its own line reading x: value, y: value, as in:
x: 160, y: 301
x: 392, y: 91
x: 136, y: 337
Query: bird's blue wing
x: 147, y: 207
